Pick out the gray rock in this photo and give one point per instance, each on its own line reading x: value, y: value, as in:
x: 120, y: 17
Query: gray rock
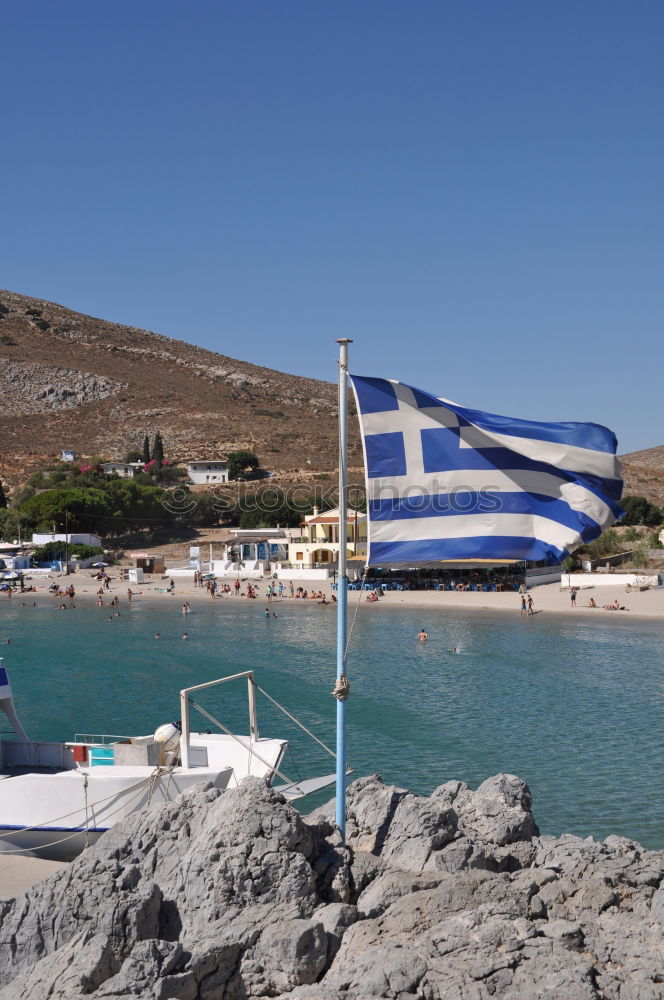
x: 235, y: 895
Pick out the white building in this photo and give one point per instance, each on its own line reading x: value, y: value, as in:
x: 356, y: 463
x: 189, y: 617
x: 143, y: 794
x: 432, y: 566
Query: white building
x: 250, y: 553
x: 315, y: 544
x: 67, y: 455
x: 126, y: 470
x: 202, y: 473
x: 73, y: 538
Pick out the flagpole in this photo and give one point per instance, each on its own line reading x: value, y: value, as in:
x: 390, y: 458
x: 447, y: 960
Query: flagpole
x: 341, y: 688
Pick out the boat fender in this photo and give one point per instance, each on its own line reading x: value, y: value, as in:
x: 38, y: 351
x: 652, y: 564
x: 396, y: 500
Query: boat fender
x: 168, y: 735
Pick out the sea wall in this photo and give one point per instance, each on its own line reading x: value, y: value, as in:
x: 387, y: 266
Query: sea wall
x: 584, y: 580
x: 455, y: 896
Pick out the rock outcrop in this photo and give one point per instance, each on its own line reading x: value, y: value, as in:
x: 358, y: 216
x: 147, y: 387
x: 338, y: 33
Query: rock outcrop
x: 37, y: 388
x: 236, y: 895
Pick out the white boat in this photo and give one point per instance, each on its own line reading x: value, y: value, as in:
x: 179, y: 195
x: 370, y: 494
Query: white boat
x: 57, y: 798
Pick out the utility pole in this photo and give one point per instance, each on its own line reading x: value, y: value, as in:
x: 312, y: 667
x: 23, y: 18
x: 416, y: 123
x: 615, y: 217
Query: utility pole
x: 66, y: 543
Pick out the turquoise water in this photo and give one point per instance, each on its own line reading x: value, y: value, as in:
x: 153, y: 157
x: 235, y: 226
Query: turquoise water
x: 573, y: 707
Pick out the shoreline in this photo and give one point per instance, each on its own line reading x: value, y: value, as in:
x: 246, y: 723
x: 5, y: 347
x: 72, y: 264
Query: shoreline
x: 548, y: 598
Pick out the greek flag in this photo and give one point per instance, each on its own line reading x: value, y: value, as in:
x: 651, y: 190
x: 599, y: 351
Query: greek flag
x: 446, y: 482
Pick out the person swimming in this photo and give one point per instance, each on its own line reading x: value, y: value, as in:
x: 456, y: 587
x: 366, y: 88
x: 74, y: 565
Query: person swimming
x: 422, y: 634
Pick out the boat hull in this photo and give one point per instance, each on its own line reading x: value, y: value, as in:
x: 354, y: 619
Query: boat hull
x: 57, y: 816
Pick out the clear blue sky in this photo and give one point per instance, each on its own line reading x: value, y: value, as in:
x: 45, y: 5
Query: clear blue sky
x: 472, y: 191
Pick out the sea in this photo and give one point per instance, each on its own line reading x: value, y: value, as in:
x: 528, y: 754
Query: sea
x: 572, y: 706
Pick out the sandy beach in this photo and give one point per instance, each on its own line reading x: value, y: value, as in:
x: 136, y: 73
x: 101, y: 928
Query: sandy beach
x: 547, y: 598
x: 18, y: 872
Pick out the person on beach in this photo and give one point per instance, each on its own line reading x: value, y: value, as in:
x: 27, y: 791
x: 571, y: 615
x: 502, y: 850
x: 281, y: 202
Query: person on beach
x: 422, y: 635
x: 529, y: 602
x: 130, y: 594
x: 572, y: 596
x: 524, y: 607
x: 591, y: 603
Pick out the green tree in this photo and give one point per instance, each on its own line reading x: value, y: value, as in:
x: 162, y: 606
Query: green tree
x: 54, y: 550
x: 146, y: 450
x: 158, y: 450
x: 134, y: 456
x: 84, y: 509
x: 240, y: 462
x: 202, y: 511
x: 20, y: 495
x: 638, y: 510
x: 10, y: 524
x: 267, y: 508
x: 135, y: 507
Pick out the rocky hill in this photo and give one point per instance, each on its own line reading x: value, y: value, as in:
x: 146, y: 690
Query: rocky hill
x: 235, y: 895
x: 72, y: 381
x: 643, y: 472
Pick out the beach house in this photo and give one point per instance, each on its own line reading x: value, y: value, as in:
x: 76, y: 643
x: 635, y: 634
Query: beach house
x: 125, y: 470
x: 315, y: 543
x: 205, y: 472
x: 251, y: 552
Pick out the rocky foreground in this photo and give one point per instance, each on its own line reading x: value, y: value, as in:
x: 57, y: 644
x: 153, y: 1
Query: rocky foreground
x: 237, y: 895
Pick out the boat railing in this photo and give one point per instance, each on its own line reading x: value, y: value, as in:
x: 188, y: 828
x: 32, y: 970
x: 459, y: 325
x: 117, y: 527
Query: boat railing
x: 184, y: 711
x: 98, y: 738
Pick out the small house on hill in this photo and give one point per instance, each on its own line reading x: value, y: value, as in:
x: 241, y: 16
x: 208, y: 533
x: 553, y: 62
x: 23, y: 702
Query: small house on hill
x: 67, y: 455
x: 126, y: 470
x: 202, y: 473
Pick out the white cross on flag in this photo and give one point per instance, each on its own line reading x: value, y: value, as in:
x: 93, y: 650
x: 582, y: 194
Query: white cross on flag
x: 447, y: 482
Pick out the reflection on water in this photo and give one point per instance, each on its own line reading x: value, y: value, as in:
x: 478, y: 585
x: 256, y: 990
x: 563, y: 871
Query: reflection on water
x: 574, y: 709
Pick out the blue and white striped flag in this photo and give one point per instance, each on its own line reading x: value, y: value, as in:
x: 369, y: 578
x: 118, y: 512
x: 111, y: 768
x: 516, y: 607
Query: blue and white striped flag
x: 446, y: 482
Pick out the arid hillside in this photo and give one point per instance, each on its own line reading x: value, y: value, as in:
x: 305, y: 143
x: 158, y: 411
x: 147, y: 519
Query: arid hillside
x: 643, y: 472
x: 71, y: 381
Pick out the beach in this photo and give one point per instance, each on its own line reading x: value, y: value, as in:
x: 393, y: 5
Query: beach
x: 18, y: 873
x: 548, y: 598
